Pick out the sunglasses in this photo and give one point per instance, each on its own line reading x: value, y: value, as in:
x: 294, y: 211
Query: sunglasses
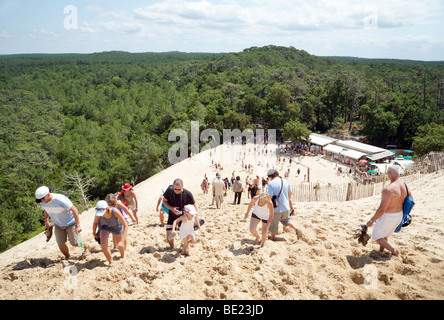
x: 178, y: 190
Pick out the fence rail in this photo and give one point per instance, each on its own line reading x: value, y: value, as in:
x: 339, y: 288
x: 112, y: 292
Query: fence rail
x: 309, y: 192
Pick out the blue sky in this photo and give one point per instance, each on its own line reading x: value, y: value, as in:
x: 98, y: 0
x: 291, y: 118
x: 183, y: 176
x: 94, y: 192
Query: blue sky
x: 398, y: 29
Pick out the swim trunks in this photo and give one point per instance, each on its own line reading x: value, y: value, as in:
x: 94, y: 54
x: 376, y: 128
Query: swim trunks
x: 386, y: 225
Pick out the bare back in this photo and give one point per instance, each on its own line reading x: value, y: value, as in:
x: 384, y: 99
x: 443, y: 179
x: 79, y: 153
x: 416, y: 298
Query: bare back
x: 394, y: 195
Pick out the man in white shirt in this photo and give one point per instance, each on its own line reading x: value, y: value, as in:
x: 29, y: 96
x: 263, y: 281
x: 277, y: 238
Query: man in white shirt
x: 218, y: 191
x: 65, y: 217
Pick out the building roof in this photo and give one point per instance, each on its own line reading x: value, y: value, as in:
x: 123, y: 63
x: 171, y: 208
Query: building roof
x: 359, y: 146
x: 380, y: 155
x: 352, y: 154
x: 321, y: 140
x: 334, y: 148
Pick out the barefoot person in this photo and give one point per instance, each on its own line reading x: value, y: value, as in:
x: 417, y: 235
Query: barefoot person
x: 128, y: 197
x: 219, y: 190
x: 262, y: 211
x: 110, y: 220
x: 389, y: 214
x: 186, y: 230
x: 175, y: 199
x: 65, y: 217
x: 163, y: 209
x: 280, y: 188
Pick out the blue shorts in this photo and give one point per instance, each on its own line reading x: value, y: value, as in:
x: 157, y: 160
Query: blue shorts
x: 167, y: 211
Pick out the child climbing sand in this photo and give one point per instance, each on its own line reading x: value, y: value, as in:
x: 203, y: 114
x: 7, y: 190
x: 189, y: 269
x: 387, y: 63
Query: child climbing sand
x: 186, y: 230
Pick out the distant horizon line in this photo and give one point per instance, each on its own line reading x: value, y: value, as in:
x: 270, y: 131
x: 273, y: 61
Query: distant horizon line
x: 202, y: 52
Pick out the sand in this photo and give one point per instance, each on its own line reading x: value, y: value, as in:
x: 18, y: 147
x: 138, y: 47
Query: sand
x: 325, y: 262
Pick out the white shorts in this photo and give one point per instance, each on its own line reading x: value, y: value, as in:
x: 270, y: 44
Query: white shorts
x: 386, y: 225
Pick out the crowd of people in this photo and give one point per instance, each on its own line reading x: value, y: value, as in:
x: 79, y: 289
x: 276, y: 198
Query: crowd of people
x: 269, y: 198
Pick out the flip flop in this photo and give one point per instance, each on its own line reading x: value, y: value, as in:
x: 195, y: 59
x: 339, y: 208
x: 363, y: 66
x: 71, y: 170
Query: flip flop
x: 172, y: 235
x: 364, y: 239
x: 201, y: 222
x: 48, y: 233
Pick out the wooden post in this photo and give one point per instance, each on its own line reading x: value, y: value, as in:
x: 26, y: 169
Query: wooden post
x: 385, y: 175
x: 349, y: 192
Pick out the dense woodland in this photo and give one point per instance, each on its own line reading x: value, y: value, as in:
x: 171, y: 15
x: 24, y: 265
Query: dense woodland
x: 100, y: 120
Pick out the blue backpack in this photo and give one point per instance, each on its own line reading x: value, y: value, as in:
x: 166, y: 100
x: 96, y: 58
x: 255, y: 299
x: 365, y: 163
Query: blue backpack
x: 406, y: 208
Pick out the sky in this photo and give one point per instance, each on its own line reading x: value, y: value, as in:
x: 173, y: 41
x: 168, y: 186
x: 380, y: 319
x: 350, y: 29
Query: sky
x: 392, y: 29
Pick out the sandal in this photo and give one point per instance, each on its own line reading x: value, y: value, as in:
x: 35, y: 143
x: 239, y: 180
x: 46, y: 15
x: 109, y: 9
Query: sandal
x: 48, y: 233
x: 201, y: 222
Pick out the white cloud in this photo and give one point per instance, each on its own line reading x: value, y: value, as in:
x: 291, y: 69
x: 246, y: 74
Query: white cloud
x: 376, y: 28
x: 299, y: 15
x: 202, y: 14
x: 5, y: 35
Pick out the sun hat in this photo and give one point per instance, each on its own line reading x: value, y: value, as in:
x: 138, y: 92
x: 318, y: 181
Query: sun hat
x: 101, y: 208
x: 190, y: 209
x: 126, y: 186
x: 40, y: 193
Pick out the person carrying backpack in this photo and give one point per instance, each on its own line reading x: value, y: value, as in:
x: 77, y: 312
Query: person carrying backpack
x: 390, y: 212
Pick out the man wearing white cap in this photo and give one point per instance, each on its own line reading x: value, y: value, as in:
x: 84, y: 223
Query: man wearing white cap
x: 65, y: 217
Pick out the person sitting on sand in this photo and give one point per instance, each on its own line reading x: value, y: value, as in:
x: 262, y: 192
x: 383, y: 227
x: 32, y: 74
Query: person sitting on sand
x: 109, y: 220
x: 186, y: 230
x: 262, y: 211
x: 389, y: 214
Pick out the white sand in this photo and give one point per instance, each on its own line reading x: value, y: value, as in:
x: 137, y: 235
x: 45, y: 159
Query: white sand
x: 326, y: 263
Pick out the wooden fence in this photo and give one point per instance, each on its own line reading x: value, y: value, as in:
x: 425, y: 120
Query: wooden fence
x: 308, y: 192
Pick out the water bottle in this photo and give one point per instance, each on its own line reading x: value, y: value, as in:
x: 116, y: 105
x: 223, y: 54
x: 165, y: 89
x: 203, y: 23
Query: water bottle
x: 80, y: 241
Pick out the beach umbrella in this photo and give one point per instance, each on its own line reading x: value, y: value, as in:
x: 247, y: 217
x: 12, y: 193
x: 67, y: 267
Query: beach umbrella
x: 363, y: 161
x: 407, y: 158
x: 392, y: 151
x: 372, y: 162
x: 372, y: 172
x: 408, y: 151
x: 398, y: 156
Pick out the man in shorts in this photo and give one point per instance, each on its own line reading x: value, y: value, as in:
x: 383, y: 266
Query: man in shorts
x: 219, y: 190
x: 282, y: 190
x: 175, y: 199
x: 389, y: 214
x: 65, y: 217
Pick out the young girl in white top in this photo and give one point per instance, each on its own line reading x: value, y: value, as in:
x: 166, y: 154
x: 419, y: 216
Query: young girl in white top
x: 186, y: 230
x: 262, y: 211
